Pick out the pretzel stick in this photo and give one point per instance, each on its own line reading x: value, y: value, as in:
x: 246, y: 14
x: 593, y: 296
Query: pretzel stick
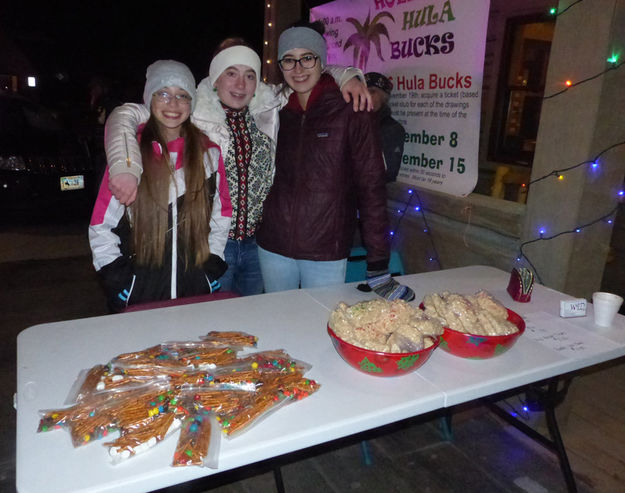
x: 193, y: 442
x: 221, y: 402
x: 91, y: 381
x: 144, y: 435
x: 262, y: 403
x: 232, y: 338
x: 135, y: 409
x: 84, y: 431
x: 175, y: 356
x: 279, y: 387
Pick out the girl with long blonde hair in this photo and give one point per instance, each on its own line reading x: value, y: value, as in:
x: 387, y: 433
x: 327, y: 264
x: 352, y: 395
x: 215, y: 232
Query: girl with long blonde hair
x: 160, y: 246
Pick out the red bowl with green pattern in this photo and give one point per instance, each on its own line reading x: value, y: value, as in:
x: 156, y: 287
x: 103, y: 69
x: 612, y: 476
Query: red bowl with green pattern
x: 481, y: 347
x: 379, y: 363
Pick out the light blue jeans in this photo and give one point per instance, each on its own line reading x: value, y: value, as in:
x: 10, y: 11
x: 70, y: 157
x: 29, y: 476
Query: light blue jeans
x: 281, y: 273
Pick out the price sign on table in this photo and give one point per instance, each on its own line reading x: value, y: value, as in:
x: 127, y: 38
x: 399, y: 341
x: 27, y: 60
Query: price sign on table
x: 563, y: 337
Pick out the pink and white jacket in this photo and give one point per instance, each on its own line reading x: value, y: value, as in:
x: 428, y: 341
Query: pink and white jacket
x: 110, y: 239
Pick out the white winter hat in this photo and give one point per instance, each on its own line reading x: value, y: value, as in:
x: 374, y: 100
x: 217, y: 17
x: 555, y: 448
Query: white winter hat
x: 165, y: 73
x: 235, y: 55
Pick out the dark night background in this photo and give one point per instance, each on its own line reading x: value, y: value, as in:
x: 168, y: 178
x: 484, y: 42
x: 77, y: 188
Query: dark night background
x: 89, y: 57
x: 70, y: 42
x: 73, y: 44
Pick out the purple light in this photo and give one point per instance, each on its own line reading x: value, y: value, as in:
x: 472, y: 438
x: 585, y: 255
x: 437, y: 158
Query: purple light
x: 398, y: 211
x: 621, y: 193
x: 410, y: 191
x: 542, y: 231
x: 392, y: 233
x: 525, y: 408
x: 518, y: 259
x: 609, y: 221
x: 594, y: 165
x: 417, y: 208
x: 425, y: 230
x: 578, y: 230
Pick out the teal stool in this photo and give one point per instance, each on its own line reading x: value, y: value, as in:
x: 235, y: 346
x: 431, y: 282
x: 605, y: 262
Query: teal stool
x: 357, y: 265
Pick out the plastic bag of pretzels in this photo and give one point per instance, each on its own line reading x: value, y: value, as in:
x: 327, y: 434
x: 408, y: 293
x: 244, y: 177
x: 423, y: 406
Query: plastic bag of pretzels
x: 202, y: 389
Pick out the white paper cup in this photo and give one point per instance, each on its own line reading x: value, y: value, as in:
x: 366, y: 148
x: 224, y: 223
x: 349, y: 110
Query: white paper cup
x: 606, y: 306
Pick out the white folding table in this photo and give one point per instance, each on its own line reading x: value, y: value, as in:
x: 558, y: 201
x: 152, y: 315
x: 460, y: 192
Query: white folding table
x: 50, y: 357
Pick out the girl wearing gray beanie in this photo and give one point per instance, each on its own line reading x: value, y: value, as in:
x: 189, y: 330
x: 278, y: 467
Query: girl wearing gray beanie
x: 330, y: 178
x: 240, y: 113
x: 159, y: 248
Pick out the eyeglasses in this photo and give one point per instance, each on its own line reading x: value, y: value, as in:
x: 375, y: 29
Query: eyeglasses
x: 165, y: 97
x: 307, y: 61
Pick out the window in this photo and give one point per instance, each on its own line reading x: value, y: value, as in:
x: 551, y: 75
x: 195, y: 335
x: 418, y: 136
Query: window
x: 521, y: 88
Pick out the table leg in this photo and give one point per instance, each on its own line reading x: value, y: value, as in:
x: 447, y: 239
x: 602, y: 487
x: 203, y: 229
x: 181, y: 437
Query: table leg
x: 554, y: 431
x: 277, y: 475
x: 366, y: 453
x: 445, y: 425
x: 548, y: 399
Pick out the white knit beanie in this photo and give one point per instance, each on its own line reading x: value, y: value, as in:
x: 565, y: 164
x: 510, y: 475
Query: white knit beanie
x: 235, y: 55
x: 167, y: 73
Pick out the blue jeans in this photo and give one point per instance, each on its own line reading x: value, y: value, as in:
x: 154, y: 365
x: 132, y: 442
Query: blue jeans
x: 281, y: 273
x: 243, y: 275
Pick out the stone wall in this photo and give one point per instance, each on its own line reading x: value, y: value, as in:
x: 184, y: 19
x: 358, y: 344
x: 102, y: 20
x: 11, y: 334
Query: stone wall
x: 462, y: 231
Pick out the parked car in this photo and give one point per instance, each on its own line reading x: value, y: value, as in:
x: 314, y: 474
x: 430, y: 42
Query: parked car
x: 45, y: 168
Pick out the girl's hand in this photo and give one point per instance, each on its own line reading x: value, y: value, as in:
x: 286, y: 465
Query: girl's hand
x: 124, y: 187
x: 355, y: 90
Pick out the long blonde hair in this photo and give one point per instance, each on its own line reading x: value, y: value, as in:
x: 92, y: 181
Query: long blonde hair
x: 150, y: 211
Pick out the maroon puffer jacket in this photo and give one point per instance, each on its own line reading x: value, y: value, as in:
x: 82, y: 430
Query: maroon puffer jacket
x: 329, y: 168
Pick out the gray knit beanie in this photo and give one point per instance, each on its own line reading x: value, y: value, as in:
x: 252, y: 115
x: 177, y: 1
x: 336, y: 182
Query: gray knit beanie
x: 165, y: 73
x: 302, y: 37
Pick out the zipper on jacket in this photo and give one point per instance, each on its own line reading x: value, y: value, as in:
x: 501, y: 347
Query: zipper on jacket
x: 128, y: 160
x: 174, y: 233
x: 295, y: 203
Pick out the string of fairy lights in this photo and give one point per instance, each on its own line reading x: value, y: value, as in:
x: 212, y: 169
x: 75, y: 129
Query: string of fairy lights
x: 524, y: 410
x: 269, y: 39
x: 556, y: 13
x: 614, y: 65
x: 524, y: 404
x: 414, y: 202
x: 594, y: 164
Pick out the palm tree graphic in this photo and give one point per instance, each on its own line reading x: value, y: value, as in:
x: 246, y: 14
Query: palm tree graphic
x: 367, y: 33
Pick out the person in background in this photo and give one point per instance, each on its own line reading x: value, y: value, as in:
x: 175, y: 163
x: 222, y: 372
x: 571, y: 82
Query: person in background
x: 328, y: 167
x: 392, y: 132
x: 160, y: 247
x: 240, y: 113
x: 102, y: 97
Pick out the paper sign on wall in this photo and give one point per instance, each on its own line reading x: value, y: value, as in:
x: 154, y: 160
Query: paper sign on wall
x: 433, y: 51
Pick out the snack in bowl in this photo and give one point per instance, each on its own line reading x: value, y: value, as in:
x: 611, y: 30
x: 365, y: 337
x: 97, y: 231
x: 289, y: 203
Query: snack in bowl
x: 475, y: 326
x: 384, y: 338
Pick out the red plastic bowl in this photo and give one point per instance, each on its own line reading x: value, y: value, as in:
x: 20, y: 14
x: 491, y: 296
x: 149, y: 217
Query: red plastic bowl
x: 379, y: 363
x: 481, y: 347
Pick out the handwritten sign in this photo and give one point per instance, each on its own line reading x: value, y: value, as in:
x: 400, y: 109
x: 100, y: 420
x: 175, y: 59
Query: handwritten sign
x: 563, y: 337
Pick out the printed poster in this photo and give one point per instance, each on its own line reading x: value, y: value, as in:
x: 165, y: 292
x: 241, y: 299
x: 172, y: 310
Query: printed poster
x: 433, y: 52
